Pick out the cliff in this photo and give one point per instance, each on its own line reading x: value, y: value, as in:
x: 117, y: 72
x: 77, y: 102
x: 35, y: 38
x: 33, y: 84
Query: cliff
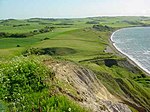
x: 82, y: 85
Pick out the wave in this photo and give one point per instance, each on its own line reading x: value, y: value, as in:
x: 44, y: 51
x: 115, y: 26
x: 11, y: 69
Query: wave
x: 127, y: 55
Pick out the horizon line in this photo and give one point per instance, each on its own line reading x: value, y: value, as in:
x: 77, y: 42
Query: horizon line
x: 77, y: 17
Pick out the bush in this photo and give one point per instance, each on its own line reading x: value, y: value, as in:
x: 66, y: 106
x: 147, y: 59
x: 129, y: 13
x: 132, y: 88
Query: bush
x: 92, y: 22
x: 102, y: 28
x: 55, y: 51
x: 46, y: 38
x: 18, y: 46
x: 21, y: 76
x: 3, y: 34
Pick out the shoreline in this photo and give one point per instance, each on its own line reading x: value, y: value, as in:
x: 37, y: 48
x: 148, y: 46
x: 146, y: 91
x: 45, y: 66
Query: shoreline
x: 131, y: 60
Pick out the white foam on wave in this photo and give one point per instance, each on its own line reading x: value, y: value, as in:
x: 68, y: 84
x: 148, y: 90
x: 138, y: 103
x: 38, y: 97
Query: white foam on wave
x: 129, y: 56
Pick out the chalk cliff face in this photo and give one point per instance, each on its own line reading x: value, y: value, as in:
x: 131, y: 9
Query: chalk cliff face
x: 82, y: 85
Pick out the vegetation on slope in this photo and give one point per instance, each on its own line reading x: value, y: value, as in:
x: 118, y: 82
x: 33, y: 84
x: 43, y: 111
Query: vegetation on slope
x: 124, y: 83
x: 27, y: 34
x: 80, y: 40
x: 26, y: 85
x: 55, y: 51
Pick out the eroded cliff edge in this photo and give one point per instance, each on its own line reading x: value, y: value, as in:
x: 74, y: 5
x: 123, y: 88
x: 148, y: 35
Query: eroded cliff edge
x: 82, y: 85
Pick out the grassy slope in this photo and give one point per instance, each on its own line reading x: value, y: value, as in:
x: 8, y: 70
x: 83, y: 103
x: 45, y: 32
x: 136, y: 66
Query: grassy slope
x: 85, y: 43
x: 30, y: 88
x: 88, y: 44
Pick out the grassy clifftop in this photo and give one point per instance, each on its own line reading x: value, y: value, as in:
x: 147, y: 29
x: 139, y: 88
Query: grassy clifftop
x: 82, y: 41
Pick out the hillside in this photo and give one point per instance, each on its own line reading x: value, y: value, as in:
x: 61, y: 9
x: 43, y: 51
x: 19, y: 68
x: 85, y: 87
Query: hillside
x: 56, y: 65
x: 83, y: 86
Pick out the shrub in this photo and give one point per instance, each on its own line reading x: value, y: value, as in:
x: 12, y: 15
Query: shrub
x: 18, y: 46
x: 3, y: 34
x: 55, y: 51
x: 92, y: 22
x: 102, y: 28
x: 21, y: 76
x: 46, y: 38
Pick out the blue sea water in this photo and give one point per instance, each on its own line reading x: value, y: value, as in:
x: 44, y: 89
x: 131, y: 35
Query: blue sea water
x: 134, y: 43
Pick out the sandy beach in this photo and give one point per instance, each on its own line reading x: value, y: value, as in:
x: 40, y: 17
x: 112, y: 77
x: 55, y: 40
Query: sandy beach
x: 113, y: 49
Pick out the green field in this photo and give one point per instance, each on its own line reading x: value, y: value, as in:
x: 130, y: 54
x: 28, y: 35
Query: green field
x: 74, y: 33
x: 77, y: 40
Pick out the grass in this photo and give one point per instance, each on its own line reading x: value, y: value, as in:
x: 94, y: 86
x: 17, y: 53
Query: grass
x: 9, y: 49
x: 86, y: 44
x: 26, y: 85
x: 63, y: 35
x: 123, y: 83
x: 13, y: 42
x: 89, y: 46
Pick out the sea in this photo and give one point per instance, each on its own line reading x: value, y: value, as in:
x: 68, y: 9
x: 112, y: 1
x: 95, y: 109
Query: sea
x: 135, y: 44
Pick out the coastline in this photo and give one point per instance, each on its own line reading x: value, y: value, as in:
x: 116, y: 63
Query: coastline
x: 114, y: 49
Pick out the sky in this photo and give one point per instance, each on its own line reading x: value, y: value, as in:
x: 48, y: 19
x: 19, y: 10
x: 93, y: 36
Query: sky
x: 22, y: 9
